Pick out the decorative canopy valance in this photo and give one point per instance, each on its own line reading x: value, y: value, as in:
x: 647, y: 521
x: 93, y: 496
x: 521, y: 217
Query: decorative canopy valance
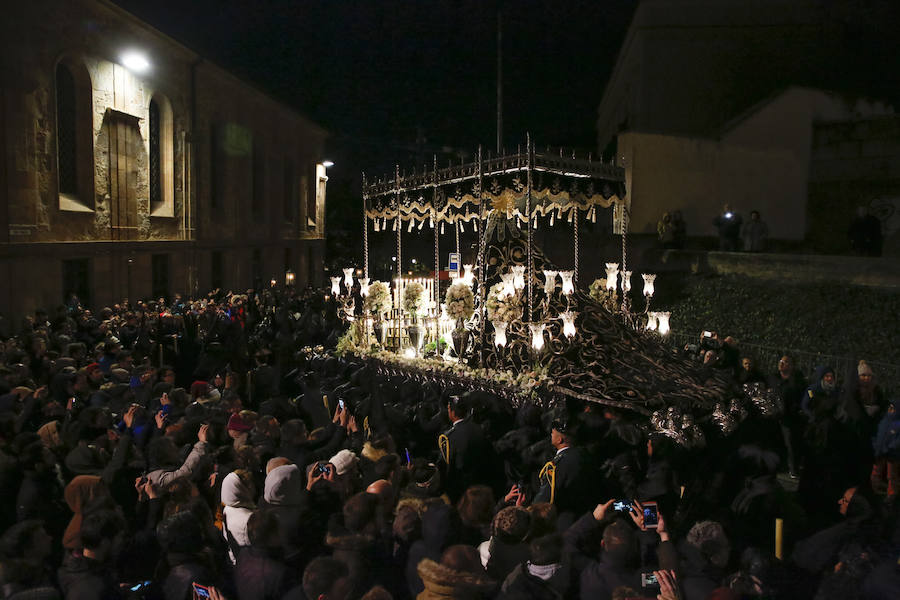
x: 455, y: 193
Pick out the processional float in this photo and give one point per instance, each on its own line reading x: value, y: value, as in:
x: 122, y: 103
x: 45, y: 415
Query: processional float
x: 550, y: 334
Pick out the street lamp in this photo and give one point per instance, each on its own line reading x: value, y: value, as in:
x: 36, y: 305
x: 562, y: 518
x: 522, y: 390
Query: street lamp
x: 289, y: 278
x: 135, y: 61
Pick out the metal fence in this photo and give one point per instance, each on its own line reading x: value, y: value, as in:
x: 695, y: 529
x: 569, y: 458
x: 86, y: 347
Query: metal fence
x: 766, y: 357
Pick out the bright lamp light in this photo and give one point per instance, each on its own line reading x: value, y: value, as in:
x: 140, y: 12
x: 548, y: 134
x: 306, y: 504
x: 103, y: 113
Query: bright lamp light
x: 135, y: 61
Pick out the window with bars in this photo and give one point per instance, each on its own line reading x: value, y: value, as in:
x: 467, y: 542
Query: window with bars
x: 66, y: 142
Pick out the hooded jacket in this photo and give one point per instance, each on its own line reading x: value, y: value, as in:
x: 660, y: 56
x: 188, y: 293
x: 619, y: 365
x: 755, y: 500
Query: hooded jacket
x: 445, y: 583
x: 78, y: 494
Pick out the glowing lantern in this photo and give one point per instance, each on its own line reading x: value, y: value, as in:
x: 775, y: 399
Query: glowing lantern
x: 663, y: 322
x: 363, y: 286
x: 537, y: 335
x: 612, y: 272
x: 508, y: 287
x: 336, y: 286
x: 568, y: 319
x: 626, y: 280
x: 549, y: 281
x: 468, y: 276
x: 348, y: 278
x: 499, y: 333
x: 568, y: 286
x: 518, y: 272
x: 648, y: 284
x: 651, y: 321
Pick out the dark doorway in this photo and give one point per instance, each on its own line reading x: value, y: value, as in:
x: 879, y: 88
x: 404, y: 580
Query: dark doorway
x: 76, y: 279
x: 160, y: 276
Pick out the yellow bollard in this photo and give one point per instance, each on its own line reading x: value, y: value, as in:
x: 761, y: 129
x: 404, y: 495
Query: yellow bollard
x: 779, y: 539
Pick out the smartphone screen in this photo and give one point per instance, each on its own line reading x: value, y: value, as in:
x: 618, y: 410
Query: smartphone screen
x: 200, y: 591
x: 651, y: 516
x: 341, y: 404
x: 648, y: 580
x: 408, y: 457
x: 622, y: 506
x: 139, y: 586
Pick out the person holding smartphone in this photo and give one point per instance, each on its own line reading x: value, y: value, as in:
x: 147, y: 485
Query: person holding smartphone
x: 618, y: 562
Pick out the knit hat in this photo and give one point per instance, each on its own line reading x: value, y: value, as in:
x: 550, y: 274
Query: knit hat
x: 238, y: 423
x: 343, y: 461
x: 864, y: 369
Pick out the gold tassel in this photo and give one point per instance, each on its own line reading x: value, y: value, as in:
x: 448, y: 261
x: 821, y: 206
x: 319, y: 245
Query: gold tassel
x: 444, y: 447
x: 548, y: 473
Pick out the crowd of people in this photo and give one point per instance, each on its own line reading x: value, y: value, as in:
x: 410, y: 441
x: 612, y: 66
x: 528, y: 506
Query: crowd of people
x: 216, y: 448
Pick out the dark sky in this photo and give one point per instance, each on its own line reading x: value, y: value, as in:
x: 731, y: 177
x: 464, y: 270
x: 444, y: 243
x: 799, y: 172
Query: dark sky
x: 382, y: 71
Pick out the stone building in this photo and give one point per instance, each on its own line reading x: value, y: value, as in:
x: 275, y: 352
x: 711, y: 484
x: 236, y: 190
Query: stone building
x: 727, y: 101
x: 132, y: 167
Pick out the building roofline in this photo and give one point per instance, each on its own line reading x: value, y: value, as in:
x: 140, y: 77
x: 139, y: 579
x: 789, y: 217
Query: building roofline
x: 196, y: 57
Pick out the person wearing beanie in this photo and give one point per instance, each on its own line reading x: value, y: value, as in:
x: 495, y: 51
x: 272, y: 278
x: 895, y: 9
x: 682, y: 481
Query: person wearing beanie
x: 868, y: 393
x: 344, y: 462
x: 239, y: 427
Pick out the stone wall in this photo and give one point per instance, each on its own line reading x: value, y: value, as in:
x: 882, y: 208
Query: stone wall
x: 110, y: 221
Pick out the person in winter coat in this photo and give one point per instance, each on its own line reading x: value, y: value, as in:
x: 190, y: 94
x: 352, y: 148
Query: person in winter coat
x: 89, y: 576
x: 704, y: 556
x: 260, y: 572
x: 819, y: 552
x: 545, y: 576
x: 163, y: 449
x: 507, y: 546
x: 440, y: 529
x: 790, y: 384
x: 886, y: 470
x: 459, y: 575
x: 618, y: 561
x: 283, y: 496
x: 238, y: 500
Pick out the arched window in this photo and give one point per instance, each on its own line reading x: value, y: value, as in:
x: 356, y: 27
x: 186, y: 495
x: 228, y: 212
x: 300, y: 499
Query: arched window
x: 66, y: 137
x: 74, y: 137
x: 162, y: 157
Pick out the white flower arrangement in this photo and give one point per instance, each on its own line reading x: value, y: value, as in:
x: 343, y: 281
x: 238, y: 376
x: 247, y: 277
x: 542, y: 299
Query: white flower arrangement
x: 379, y: 299
x: 501, y: 307
x: 460, y: 301
x: 412, y: 297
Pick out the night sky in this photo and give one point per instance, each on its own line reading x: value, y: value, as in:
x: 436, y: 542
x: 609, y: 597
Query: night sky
x: 380, y: 74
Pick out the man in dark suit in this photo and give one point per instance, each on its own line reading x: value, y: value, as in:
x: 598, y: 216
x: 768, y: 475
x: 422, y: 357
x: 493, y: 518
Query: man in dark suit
x: 464, y: 449
x: 566, y: 479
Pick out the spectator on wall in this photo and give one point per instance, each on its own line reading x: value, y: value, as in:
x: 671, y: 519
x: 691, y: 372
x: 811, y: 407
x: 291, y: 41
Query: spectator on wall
x: 865, y: 233
x: 728, y: 225
x: 755, y: 233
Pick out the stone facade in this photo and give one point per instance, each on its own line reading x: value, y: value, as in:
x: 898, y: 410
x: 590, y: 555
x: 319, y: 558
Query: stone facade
x: 235, y: 194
